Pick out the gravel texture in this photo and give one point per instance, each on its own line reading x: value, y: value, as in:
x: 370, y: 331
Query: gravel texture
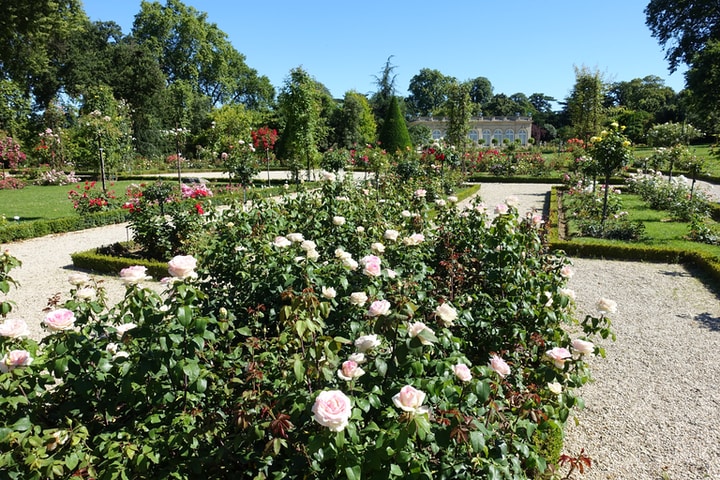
x: 653, y: 409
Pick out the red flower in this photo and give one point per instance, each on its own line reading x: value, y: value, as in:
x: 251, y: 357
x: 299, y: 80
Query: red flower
x: 199, y: 209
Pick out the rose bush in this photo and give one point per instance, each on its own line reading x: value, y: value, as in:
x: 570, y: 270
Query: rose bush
x: 269, y: 358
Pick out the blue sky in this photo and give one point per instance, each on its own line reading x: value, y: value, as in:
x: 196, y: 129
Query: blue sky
x: 521, y: 46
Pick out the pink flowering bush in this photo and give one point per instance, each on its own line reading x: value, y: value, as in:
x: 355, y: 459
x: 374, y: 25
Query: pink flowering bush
x: 293, y: 347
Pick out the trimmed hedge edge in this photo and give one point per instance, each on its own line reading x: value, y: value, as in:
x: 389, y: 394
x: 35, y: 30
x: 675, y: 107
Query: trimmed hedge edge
x: 108, y: 264
x: 13, y: 232
x: 707, y: 265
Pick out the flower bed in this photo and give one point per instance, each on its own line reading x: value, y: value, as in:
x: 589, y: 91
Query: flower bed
x: 341, y: 333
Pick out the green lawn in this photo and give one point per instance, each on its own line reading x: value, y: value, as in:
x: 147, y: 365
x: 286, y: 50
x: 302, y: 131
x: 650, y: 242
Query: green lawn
x: 46, y: 202
x: 712, y: 165
x: 660, y: 229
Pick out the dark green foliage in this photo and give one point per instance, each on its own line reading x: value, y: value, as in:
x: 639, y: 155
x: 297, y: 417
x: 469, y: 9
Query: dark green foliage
x: 394, y: 135
x: 98, y: 262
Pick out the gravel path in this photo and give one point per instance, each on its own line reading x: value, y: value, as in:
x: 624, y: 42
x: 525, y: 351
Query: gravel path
x: 652, y: 411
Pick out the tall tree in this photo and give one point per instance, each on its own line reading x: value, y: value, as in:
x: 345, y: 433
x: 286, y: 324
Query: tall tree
x: 34, y: 37
x: 191, y: 49
x: 459, y: 112
x: 683, y: 27
x: 648, y: 94
x: 481, y: 91
x: 501, y: 105
x: 428, y: 92
x: 380, y: 100
x: 585, y: 103
x: 354, y: 123
x: 300, y: 107
x: 394, y: 135
x: 703, y: 81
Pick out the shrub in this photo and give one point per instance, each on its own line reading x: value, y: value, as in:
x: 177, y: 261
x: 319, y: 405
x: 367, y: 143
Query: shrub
x: 166, y: 222
x: 337, y: 333
x: 89, y: 198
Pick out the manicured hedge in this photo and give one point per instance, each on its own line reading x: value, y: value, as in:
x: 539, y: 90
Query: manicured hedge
x: 24, y: 230
x: 96, y: 262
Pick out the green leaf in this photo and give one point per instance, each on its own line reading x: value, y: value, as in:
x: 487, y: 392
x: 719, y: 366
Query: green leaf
x: 184, y: 315
x: 353, y: 473
x: 477, y: 441
x: 192, y: 370
x: 396, y: 471
x: 72, y: 461
x: 299, y: 369
x: 22, y: 425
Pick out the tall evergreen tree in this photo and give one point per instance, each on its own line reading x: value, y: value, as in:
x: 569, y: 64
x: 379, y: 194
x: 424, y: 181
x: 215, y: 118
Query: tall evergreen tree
x: 394, y: 134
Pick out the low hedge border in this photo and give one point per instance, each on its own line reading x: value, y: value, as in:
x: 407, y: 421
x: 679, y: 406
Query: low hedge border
x: 705, y: 266
x: 13, y: 232
x: 96, y: 262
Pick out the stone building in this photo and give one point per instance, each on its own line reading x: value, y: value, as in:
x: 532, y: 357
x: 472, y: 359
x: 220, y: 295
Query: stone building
x: 484, y: 128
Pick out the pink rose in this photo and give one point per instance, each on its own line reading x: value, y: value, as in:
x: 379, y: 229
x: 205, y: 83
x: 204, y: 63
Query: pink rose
x: 14, y: 328
x: 420, y: 193
x: 499, y: 366
x: 182, y: 266
x: 349, y: 370
x: 371, y: 265
x: 15, y: 358
x: 59, y: 320
x: 332, y: 409
x: 501, y: 209
x: 378, y: 308
x: 566, y: 272
x: 410, y: 400
x: 462, y: 372
x: 558, y: 355
x: 583, y: 347
x: 133, y: 275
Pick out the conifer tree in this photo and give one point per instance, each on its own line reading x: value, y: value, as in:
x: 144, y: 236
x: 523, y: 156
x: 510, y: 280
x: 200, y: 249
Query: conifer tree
x: 394, y: 134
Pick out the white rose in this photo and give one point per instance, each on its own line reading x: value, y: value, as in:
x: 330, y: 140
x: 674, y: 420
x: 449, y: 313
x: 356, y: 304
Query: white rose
x: 391, y: 235
x: 358, y: 298
x: 447, y: 314
x: 367, y: 342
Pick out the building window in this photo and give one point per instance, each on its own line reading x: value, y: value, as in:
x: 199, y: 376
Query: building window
x: 510, y: 135
x: 523, y: 136
x: 487, y: 136
x: 473, y: 134
x: 497, y: 136
x: 436, y: 134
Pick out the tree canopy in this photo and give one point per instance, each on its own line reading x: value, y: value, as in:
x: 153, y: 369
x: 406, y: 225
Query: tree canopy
x: 683, y: 27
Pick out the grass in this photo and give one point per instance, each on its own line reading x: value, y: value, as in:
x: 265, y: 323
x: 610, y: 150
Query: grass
x: 712, y: 165
x: 36, y: 202
x: 660, y: 229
